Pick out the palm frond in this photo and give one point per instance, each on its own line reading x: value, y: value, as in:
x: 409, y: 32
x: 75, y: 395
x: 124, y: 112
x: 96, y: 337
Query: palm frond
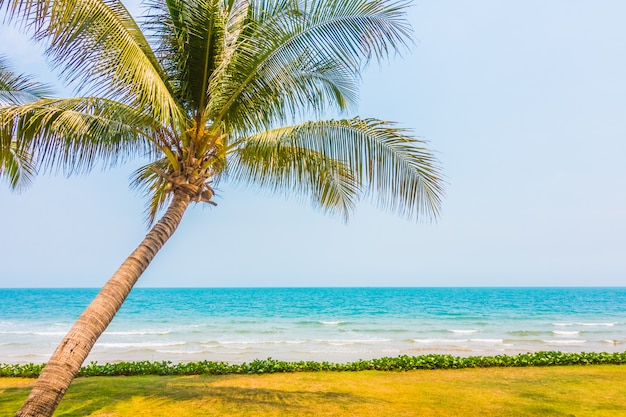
x: 148, y: 180
x: 284, y: 34
x: 190, y: 35
x: 19, y: 88
x: 101, y: 50
x: 272, y: 162
x: 16, y: 164
x: 76, y: 133
x: 389, y: 163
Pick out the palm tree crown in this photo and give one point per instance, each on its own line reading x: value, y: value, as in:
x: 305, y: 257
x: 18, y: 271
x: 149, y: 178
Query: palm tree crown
x: 212, y: 89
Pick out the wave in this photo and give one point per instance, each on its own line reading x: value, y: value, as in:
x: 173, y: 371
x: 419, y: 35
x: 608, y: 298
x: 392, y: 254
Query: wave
x: 139, y: 345
x: 30, y: 355
x: 458, y: 341
x: 463, y: 331
x: 493, y: 341
x: 595, y: 324
x: 565, y: 342
x: 381, y: 330
x: 565, y: 333
x: 27, y: 332
x: 139, y: 333
x: 181, y: 352
x: 316, y: 323
x: 258, y: 342
x: 210, y: 345
x: 255, y: 331
x: 526, y: 332
x: 435, y: 340
x: 345, y: 342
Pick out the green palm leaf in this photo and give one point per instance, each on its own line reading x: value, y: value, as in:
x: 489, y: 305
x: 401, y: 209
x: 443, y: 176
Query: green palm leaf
x: 99, y: 47
x: 286, y: 33
x: 76, y: 133
x: 391, y: 165
x: 273, y: 162
x: 154, y: 186
x: 19, y: 88
x: 190, y: 37
x: 16, y: 164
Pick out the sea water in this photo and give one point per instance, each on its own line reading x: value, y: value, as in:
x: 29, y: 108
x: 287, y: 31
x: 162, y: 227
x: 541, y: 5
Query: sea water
x: 323, y: 324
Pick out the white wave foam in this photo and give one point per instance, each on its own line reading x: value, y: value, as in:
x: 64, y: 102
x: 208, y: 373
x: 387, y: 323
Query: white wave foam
x: 598, y: 324
x: 495, y: 341
x: 565, y: 333
x: 24, y: 332
x: 563, y: 324
x: 330, y: 323
x: 210, y: 346
x: 260, y: 342
x: 565, y: 342
x: 138, y: 333
x: 345, y: 342
x: 463, y: 331
x: 238, y: 342
x: 612, y: 342
x: 434, y: 340
x: 31, y: 355
x: 139, y: 345
x: 180, y: 352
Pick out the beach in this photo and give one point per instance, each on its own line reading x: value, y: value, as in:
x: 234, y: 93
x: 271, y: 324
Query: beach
x: 238, y: 325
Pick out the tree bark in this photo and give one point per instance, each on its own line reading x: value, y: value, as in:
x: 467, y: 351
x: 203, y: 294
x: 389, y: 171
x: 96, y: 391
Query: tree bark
x: 66, y: 361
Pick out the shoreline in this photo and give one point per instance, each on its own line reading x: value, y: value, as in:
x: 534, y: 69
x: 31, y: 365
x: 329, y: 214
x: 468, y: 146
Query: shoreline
x: 295, y: 356
x: 269, y: 365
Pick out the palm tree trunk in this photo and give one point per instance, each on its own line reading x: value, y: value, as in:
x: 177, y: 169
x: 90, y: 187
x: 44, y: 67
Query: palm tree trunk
x: 64, y: 364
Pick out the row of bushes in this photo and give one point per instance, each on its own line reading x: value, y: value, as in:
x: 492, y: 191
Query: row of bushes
x: 400, y: 363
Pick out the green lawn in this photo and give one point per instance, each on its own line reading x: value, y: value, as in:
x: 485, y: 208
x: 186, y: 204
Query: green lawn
x: 598, y: 390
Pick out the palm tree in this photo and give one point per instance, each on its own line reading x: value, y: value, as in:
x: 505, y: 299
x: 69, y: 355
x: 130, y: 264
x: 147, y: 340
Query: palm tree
x: 213, y: 90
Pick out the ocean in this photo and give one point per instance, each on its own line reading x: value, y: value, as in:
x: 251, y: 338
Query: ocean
x: 323, y: 324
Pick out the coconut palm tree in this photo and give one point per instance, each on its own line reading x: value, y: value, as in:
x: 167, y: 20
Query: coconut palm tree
x: 213, y: 90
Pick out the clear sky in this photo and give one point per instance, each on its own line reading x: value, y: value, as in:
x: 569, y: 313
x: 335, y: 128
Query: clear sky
x: 525, y: 104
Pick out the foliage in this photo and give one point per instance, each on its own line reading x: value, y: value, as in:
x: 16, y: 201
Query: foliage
x: 16, y: 164
x: 400, y: 363
x: 214, y: 89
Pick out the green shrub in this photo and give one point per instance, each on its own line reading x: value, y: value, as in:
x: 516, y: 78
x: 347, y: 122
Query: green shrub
x: 269, y: 365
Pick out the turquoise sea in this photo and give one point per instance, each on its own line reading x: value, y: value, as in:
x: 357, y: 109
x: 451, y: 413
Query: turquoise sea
x: 333, y: 324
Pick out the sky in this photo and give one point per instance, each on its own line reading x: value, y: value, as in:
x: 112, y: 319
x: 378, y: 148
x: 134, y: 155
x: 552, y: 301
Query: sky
x: 524, y: 104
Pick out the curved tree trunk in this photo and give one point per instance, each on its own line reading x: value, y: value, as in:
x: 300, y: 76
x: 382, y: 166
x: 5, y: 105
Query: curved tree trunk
x: 64, y: 364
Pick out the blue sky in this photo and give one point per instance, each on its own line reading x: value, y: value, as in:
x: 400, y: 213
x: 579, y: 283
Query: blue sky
x: 525, y: 104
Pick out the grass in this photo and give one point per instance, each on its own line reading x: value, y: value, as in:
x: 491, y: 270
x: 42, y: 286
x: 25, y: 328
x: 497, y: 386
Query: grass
x: 597, y: 390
